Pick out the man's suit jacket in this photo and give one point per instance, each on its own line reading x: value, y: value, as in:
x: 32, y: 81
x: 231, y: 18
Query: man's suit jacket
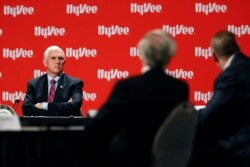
x: 129, y: 119
x: 68, y: 87
x: 223, y: 136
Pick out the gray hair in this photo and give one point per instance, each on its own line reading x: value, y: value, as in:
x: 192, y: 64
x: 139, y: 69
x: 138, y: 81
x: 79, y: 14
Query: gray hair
x: 156, y: 48
x: 54, y: 47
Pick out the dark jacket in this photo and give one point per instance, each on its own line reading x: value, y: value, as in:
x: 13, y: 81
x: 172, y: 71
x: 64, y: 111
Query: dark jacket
x: 223, y: 136
x: 68, y: 87
x: 126, y: 124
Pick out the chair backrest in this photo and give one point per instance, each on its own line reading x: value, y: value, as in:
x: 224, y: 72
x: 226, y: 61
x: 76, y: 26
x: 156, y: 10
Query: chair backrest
x: 173, y: 142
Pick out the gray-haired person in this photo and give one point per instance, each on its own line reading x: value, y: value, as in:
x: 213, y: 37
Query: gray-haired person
x: 123, y: 130
x: 54, y: 93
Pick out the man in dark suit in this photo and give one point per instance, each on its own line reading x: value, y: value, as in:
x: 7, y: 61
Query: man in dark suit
x: 124, y: 128
x: 223, y: 136
x: 54, y: 93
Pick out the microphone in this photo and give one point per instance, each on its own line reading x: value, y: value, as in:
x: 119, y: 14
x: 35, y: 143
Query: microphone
x: 16, y: 103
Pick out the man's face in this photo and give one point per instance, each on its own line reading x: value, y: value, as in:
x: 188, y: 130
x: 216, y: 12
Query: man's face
x: 54, y: 62
x: 215, y: 57
x: 220, y: 62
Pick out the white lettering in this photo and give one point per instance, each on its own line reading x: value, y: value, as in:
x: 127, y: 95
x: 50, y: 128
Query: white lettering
x: 178, y: 29
x: 206, y: 52
x: 112, y: 30
x: 80, y: 52
x: 111, y: 74
x: 7, y: 96
x: 210, y: 8
x: 202, y: 96
x: 145, y: 8
x: 89, y: 96
x: 134, y: 52
x: 18, y: 10
x: 48, y: 31
x: 239, y: 31
x: 17, y: 53
x: 180, y: 73
x: 38, y: 73
x: 1, y: 32
x: 81, y: 9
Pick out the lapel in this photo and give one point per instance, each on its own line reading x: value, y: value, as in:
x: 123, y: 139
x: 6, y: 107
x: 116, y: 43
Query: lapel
x: 43, y: 88
x: 60, y: 88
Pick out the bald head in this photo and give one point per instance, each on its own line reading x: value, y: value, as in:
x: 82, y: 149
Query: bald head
x: 156, y: 48
x: 224, y: 44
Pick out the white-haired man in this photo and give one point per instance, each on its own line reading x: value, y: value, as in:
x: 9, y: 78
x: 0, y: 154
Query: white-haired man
x: 124, y: 128
x: 54, y: 93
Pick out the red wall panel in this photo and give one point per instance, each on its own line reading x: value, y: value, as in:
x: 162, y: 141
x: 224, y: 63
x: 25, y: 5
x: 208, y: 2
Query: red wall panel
x: 100, y: 37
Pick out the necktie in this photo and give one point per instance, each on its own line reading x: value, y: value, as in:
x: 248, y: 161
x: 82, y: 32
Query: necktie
x: 52, y: 91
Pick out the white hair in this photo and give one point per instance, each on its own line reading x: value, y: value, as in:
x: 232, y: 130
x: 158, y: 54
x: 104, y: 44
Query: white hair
x: 54, y: 47
x: 156, y: 48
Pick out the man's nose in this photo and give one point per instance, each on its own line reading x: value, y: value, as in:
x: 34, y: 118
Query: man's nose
x: 57, y: 61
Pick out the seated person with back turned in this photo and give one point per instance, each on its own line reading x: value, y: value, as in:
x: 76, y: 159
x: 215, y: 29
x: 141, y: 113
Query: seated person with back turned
x: 223, y: 134
x: 122, y: 132
x: 54, y: 93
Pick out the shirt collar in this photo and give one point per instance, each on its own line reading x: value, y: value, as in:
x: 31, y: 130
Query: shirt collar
x: 229, y: 61
x: 145, y: 69
x: 56, y: 78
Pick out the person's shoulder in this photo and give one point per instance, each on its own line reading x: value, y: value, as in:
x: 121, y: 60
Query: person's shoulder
x: 181, y: 83
x: 71, y: 78
x: 37, y: 79
x: 130, y: 80
x: 176, y: 80
x: 240, y: 65
x: 239, y: 60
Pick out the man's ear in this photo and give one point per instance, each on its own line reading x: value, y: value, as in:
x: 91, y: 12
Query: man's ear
x: 45, y: 62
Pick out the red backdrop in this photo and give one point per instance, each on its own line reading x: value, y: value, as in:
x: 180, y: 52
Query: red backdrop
x: 100, y: 37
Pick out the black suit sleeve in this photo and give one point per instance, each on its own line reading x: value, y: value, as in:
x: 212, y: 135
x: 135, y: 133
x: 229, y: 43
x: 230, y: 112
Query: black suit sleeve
x: 28, y: 106
x: 62, y: 108
x: 69, y: 107
x: 219, y: 107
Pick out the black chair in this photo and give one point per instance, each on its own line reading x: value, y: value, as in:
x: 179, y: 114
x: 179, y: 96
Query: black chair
x: 173, y: 142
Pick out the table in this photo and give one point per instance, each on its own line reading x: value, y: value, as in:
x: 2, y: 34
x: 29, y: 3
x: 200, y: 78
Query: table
x: 44, y: 142
x: 52, y: 121
x: 42, y: 148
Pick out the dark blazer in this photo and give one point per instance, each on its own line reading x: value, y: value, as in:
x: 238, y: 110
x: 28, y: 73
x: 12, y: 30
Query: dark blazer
x: 129, y: 119
x: 68, y: 87
x: 223, y: 136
